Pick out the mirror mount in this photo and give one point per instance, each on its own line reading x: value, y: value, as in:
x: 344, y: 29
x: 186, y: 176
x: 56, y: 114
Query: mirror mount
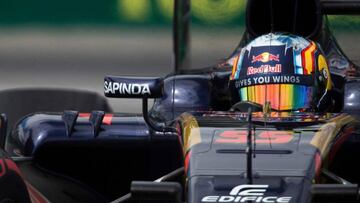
x: 147, y: 120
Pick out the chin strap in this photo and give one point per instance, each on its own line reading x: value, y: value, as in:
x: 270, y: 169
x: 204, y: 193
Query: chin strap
x: 324, y: 102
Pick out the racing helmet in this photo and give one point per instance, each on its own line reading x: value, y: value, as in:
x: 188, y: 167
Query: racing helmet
x: 287, y: 72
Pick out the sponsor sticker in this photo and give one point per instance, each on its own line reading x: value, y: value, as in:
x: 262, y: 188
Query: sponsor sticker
x: 275, y: 79
x: 245, y: 193
x: 264, y: 69
x: 126, y: 88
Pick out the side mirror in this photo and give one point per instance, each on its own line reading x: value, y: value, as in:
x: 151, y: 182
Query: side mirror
x: 133, y: 87
x: 137, y: 87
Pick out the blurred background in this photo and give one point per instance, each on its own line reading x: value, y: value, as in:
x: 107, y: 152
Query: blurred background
x: 74, y: 44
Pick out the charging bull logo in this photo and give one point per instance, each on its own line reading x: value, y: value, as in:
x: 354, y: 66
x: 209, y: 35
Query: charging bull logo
x: 265, y: 57
x: 245, y: 193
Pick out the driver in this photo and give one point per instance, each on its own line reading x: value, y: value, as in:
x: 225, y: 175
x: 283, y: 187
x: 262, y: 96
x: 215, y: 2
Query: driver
x: 287, y: 72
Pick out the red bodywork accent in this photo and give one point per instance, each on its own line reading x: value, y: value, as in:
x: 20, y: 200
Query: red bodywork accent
x: 35, y: 195
x: 84, y: 115
x: 12, y: 166
x: 187, y: 161
x: 106, y: 120
x: 317, y: 165
x: 265, y: 137
x: 3, y: 169
x: 337, y: 145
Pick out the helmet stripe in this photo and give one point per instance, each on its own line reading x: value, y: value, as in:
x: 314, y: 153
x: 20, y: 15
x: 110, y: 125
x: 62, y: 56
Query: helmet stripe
x: 235, y: 67
x: 307, y: 58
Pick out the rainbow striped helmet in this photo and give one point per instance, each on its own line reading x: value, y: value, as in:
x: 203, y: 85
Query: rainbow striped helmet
x: 288, y: 71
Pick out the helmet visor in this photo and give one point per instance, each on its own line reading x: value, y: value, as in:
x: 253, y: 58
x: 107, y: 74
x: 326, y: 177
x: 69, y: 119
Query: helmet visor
x: 282, y: 97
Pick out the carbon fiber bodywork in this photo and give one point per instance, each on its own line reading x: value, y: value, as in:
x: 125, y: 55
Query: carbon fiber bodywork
x: 288, y: 157
x: 290, y: 151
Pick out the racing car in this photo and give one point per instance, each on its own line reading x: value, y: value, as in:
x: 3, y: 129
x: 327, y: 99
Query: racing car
x: 209, y: 136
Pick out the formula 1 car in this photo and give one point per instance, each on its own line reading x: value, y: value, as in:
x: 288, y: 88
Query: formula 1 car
x: 194, y: 145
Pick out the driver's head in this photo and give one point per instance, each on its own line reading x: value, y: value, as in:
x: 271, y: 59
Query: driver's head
x: 288, y: 71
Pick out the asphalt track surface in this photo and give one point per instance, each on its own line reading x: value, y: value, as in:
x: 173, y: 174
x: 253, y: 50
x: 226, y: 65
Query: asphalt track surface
x: 80, y: 58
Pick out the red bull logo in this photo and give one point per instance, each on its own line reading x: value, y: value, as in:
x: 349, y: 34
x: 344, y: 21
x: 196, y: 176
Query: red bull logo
x: 265, y: 57
x: 264, y: 69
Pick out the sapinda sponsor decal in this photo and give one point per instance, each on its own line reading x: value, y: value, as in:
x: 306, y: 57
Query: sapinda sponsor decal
x: 126, y: 88
x: 245, y: 193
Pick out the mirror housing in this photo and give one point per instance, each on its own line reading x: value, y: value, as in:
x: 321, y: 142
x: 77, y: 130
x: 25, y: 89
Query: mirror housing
x: 133, y: 87
x: 137, y: 87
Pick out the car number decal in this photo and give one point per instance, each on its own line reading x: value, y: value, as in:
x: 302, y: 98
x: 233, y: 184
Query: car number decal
x: 264, y: 137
